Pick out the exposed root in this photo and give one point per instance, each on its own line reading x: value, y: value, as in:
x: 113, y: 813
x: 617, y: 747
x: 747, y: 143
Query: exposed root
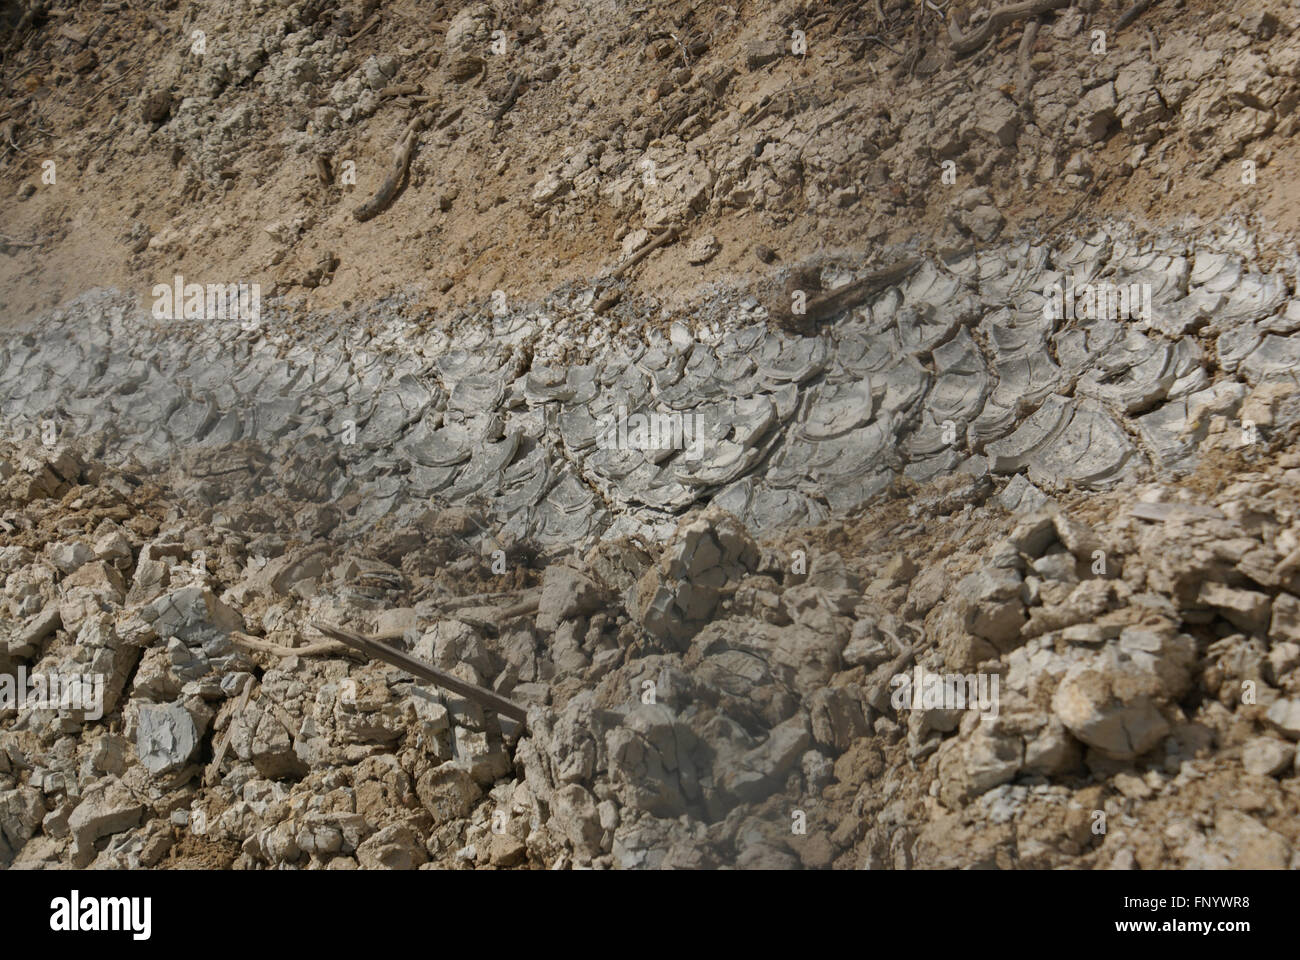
x: 972, y: 42
x: 387, y: 191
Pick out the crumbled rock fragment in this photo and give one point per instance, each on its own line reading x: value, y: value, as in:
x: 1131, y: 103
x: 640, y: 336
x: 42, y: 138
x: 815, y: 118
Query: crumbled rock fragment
x: 1267, y: 756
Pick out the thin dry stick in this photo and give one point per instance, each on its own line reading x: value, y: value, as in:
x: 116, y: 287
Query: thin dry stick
x: 999, y: 18
x: 478, y: 599
x: 521, y: 609
x: 502, y: 615
x: 1027, y: 52
x: 400, y: 90
x: 109, y: 86
x: 28, y: 15
x: 1132, y: 13
x: 214, y: 768
x: 850, y: 8
x: 473, y: 600
x: 18, y: 76
x: 644, y: 251
x: 607, y: 301
x: 328, y: 648
x: 613, y: 296
x: 418, y: 668
x: 511, y: 96
x: 851, y: 294
x: 401, y: 164
x: 369, y: 25
x: 1078, y: 204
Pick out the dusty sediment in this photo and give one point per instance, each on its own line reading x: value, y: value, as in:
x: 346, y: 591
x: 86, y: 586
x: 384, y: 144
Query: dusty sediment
x: 876, y: 455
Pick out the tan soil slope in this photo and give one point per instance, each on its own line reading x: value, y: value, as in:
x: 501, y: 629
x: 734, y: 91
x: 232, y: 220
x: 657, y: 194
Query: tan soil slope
x: 170, y: 161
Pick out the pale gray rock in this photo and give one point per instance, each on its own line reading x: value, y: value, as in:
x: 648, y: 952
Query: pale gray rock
x: 69, y: 556
x: 394, y: 847
x: 566, y: 594
x: 756, y: 773
x: 447, y: 792
x: 1248, y: 610
x: 106, y: 808
x: 166, y: 737
x: 1284, y: 717
x: 1267, y: 756
x: 976, y: 763
x: 575, y: 817
x: 193, y: 615
x: 1089, y: 705
x: 21, y: 813
x: 467, y: 41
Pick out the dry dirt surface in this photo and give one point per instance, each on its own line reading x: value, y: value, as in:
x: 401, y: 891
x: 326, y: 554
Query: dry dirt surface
x: 627, y: 118
x: 930, y: 576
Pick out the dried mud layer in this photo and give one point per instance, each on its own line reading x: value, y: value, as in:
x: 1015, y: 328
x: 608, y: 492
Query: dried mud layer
x: 813, y: 534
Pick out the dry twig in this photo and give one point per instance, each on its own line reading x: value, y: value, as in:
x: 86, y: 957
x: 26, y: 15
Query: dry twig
x: 1026, y: 55
x: 511, y: 96
x: 366, y: 28
x: 396, y: 175
x: 327, y: 648
x: 972, y: 42
x: 418, y: 668
x: 1132, y: 13
x: 644, y: 251
x: 846, y: 297
x: 214, y: 768
x: 11, y: 242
